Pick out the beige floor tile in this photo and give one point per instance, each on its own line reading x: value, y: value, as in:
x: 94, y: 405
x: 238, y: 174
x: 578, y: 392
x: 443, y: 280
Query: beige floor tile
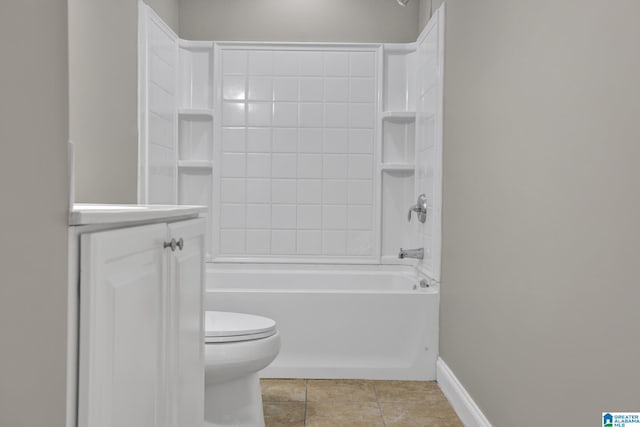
x: 354, y: 403
x: 330, y: 422
x: 419, y: 414
x: 278, y: 423
x: 425, y: 422
x: 408, y: 391
x: 283, y: 390
x: 284, y: 414
x: 340, y: 390
x: 343, y: 414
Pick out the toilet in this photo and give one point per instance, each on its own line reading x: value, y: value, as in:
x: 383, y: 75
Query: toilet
x: 237, y: 347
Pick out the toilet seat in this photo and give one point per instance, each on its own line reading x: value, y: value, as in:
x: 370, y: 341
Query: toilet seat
x: 222, y: 326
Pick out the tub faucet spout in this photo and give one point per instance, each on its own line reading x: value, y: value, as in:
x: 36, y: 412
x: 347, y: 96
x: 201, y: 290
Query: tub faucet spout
x: 411, y: 253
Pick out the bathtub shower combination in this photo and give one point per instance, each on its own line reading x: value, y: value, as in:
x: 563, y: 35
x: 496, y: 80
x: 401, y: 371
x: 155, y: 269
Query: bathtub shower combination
x: 309, y: 157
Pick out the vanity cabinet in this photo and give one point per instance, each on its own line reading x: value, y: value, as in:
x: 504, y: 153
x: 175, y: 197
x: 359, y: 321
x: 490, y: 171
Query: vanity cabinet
x: 186, y: 348
x: 141, y: 326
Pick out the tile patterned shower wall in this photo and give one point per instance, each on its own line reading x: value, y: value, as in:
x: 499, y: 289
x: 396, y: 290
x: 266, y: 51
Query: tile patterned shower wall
x: 429, y: 139
x: 160, y: 132
x: 296, y: 152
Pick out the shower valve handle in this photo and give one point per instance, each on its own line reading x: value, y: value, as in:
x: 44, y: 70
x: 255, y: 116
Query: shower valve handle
x: 420, y: 208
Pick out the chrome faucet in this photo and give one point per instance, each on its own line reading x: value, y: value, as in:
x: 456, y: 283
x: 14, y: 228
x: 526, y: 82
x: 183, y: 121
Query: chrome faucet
x: 411, y: 253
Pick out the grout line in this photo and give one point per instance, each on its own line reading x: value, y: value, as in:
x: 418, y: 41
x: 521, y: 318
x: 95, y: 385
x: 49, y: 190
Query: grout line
x: 306, y: 396
x: 375, y: 390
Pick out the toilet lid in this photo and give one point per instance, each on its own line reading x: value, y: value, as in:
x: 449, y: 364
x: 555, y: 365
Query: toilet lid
x: 223, y: 326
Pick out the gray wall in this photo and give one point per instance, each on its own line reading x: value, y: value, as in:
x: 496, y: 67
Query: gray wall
x: 33, y: 218
x: 541, y: 208
x: 168, y: 10
x: 424, y: 13
x: 425, y: 10
x: 310, y: 20
x: 103, y: 98
x: 103, y: 62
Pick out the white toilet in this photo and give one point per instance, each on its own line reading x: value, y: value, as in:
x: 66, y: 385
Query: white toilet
x: 237, y: 347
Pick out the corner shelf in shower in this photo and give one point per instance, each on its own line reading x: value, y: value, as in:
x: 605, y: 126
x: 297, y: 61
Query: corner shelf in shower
x: 195, y: 164
x: 195, y: 112
x: 397, y: 125
x: 399, y: 115
x: 397, y: 166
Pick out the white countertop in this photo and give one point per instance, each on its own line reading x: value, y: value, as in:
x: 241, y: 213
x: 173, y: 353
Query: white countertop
x: 91, y: 213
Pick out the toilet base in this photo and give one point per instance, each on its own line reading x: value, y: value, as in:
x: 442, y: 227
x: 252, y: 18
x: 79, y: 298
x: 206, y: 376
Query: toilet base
x: 236, y: 403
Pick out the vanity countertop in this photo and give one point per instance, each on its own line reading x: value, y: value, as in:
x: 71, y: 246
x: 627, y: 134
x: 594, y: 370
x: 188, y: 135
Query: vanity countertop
x: 91, y: 213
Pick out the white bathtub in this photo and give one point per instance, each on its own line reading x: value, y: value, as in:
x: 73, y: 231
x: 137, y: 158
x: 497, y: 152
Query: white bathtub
x: 365, y: 322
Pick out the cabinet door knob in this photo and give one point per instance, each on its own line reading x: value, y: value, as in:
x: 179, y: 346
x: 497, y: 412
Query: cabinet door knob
x: 181, y: 243
x: 172, y: 244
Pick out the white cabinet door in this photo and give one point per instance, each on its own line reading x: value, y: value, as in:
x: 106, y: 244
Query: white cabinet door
x: 186, y: 285
x: 121, y: 376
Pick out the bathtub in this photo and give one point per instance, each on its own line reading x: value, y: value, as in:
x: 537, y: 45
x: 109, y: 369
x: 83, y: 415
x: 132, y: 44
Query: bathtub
x: 336, y: 321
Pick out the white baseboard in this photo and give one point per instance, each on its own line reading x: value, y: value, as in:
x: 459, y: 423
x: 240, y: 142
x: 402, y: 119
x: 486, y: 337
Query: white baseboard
x: 463, y: 404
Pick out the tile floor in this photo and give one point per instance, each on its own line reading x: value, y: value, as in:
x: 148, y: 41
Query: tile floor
x: 355, y: 403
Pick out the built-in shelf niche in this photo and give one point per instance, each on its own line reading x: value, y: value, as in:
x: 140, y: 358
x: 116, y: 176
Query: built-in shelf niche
x: 397, y: 166
x: 398, y: 140
x: 196, y: 68
x: 195, y: 128
x: 194, y: 188
x: 195, y: 138
x: 397, y: 231
x: 397, y: 152
x: 195, y: 164
x: 399, y: 79
x: 400, y: 115
x: 195, y: 112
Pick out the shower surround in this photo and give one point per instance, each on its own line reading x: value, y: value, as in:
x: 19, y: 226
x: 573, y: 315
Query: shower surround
x: 308, y: 156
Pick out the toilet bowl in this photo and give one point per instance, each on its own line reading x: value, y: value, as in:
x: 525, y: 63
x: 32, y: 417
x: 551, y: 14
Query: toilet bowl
x: 237, y: 347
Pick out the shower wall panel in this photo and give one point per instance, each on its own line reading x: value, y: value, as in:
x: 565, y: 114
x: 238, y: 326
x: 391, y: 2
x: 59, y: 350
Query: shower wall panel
x: 295, y: 152
x: 429, y: 137
x: 158, y: 118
